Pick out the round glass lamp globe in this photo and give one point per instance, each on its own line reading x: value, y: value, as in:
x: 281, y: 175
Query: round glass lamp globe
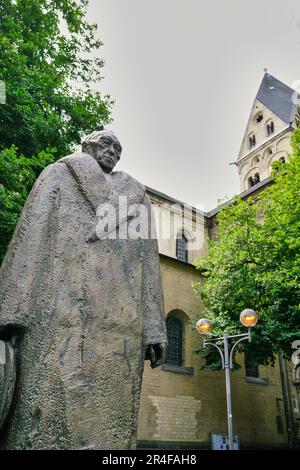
x: 248, y: 318
x: 203, y: 326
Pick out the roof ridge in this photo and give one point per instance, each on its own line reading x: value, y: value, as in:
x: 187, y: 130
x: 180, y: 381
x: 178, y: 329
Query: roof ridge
x: 277, y: 97
x: 277, y: 80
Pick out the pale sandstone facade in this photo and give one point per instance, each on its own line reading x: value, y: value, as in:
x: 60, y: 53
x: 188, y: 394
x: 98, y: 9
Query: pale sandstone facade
x: 268, y: 148
x: 274, y: 115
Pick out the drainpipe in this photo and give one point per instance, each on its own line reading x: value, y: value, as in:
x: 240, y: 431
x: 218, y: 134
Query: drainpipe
x: 286, y: 404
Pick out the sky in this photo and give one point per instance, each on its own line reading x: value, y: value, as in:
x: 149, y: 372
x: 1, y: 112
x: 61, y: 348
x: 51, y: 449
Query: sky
x: 184, y: 74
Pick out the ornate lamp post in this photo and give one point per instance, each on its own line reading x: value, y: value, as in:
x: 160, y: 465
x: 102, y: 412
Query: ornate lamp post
x: 249, y: 319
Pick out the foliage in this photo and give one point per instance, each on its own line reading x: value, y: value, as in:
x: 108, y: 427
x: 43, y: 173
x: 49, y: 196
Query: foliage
x: 49, y: 66
x: 254, y: 262
x: 46, y: 64
x: 17, y: 175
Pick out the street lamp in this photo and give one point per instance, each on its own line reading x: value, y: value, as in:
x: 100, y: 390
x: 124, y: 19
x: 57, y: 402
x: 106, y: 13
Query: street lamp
x: 249, y: 319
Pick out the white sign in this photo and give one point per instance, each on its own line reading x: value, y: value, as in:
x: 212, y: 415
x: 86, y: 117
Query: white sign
x: 221, y: 442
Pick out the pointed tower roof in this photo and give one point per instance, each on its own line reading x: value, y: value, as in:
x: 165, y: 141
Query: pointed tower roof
x: 277, y: 97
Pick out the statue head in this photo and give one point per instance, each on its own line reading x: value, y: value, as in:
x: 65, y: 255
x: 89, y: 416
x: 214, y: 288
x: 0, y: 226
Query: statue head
x: 104, y: 147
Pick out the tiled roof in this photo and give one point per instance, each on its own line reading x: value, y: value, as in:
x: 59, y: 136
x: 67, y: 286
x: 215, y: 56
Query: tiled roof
x: 277, y: 97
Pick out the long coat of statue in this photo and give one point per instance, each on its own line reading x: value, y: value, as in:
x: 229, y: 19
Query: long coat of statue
x: 87, y: 308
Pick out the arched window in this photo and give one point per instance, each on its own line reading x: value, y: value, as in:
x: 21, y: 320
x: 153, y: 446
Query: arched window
x: 175, y: 340
x: 270, y: 127
x: 251, y: 368
x: 252, y: 141
x: 256, y: 178
x: 182, y: 247
x: 250, y: 182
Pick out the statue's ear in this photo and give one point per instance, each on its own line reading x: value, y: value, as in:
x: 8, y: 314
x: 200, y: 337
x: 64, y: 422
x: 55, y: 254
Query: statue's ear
x: 85, y: 147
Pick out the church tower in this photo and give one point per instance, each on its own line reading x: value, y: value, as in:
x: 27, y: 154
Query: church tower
x: 273, y: 117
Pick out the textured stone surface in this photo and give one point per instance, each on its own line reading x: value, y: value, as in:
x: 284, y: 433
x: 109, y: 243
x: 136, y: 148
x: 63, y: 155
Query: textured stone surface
x: 176, y: 417
x: 87, y: 309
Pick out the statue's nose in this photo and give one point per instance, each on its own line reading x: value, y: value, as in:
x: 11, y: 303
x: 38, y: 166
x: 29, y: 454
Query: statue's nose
x: 111, y: 151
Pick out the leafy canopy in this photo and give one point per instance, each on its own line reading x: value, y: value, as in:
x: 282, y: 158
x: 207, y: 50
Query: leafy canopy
x: 47, y: 66
x: 17, y: 175
x: 254, y: 262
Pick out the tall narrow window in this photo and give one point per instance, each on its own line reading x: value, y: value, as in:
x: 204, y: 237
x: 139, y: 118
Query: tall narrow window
x: 174, y: 332
x: 250, y: 182
x: 270, y: 128
x: 181, y: 247
x: 256, y: 179
x: 252, y: 141
x: 250, y: 368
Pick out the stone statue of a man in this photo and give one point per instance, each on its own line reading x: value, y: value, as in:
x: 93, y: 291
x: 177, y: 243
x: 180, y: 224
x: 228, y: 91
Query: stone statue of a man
x: 80, y: 310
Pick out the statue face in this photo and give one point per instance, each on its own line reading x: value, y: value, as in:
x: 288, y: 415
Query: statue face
x: 107, y: 151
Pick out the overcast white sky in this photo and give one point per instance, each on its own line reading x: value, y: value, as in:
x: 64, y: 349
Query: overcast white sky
x: 184, y: 74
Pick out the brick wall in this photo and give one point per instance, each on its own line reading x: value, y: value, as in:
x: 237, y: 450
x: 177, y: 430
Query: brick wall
x: 187, y: 405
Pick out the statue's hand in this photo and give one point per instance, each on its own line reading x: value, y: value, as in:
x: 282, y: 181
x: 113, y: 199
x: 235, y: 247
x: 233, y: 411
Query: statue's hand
x: 157, y: 354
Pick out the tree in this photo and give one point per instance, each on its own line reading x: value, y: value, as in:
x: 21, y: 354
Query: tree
x: 254, y: 262
x: 17, y: 175
x: 48, y: 71
x: 49, y: 68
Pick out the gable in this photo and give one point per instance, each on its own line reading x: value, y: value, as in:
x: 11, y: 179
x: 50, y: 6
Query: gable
x: 265, y: 116
x: 273, y: 104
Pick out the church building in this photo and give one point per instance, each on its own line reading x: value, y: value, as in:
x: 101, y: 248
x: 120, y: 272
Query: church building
x: 183, y: 406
